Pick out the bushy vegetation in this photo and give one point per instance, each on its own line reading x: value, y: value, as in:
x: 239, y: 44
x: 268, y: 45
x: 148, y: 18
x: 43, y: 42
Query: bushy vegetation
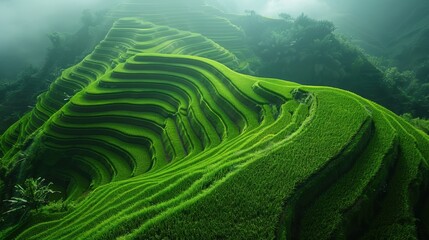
x: 409, y: 87
x: 308, y: 51
x: 31, y: 195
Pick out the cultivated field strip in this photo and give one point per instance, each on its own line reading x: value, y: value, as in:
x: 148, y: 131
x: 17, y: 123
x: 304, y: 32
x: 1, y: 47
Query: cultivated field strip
x: 190, y: 16
x: 344, y: 199
x: 127, y: 37
x: 148, y: 112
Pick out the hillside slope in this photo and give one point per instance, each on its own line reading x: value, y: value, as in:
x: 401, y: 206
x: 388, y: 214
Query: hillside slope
x: 151, y: 139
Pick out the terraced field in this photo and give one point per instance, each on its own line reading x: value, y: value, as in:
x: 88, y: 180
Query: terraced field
x: 127, y: 37
x: 190, y: 15
x: 153, y: 136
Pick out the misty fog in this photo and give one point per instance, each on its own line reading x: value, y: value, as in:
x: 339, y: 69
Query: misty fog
x: 379, y: 22
x: 272, y: 8
x: 25, y: 25
x: 372, y: 14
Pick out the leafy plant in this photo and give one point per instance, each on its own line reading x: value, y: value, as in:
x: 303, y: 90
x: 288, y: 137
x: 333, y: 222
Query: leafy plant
x: 59, y: 206
x: 31, y: 196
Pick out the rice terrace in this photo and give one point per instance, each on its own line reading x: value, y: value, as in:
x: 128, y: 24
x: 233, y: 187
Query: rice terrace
x: 164, y: 131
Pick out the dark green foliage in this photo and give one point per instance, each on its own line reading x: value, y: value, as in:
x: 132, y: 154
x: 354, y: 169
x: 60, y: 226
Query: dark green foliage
x: 31, y: 195
x: 302, y: 48
x: 19, y: 96
x: 59, y: 206
x: 301, y: 96
x: 399, y: 35
x: 411, y: 92
x: 310, y: 52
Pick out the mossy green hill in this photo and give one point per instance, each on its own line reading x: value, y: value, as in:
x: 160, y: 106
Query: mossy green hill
x: 153, y: 136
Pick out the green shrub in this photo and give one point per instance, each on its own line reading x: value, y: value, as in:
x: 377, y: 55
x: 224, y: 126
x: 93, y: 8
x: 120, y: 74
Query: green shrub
x: 31, y: 195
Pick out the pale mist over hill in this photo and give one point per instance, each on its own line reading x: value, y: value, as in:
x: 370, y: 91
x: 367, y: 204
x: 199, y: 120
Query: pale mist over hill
x: 26, y: 24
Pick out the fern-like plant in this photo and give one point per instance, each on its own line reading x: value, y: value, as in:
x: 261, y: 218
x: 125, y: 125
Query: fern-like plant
x: 31, y: 196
